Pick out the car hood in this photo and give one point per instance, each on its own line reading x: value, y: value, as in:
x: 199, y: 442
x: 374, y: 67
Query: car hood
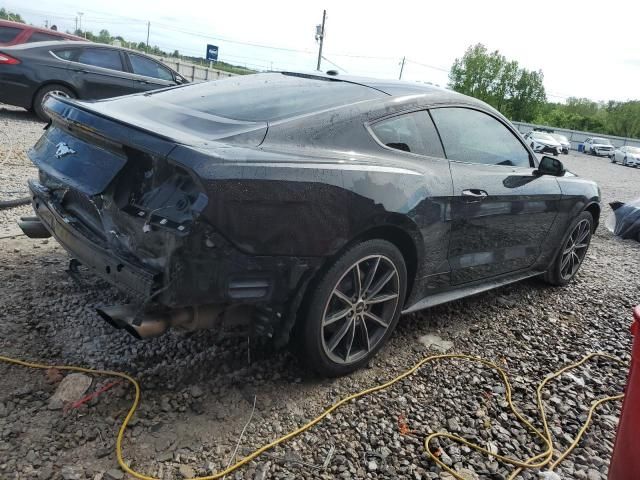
x: 601, y: 145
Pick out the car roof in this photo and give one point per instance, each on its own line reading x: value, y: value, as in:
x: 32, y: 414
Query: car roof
x: 398, y: 88
x: 68, y: 43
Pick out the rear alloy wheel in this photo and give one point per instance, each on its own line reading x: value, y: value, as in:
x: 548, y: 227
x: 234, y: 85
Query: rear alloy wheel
x: 574, y: 249
x: 354, y: 308
x: 41, y: 97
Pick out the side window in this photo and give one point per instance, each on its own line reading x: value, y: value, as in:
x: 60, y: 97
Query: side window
x: 149, y: 68
x: 7, y: 34
x: 101, y: 57
x: 412, y: 132
x: 475, y: 137
x: 43, y: 37
x: 67, y: 54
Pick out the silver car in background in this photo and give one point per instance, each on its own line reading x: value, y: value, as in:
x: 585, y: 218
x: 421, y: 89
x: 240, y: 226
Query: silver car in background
x: 542, y: 142
x: 563, y: 141
x: 627, y: 156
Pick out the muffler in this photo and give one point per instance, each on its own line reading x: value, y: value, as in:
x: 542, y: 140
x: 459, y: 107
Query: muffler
x: 155, y: 323
x: 32, y: 227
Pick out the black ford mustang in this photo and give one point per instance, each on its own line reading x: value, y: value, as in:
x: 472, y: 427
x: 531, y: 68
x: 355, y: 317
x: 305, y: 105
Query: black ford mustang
x: 322, y: 206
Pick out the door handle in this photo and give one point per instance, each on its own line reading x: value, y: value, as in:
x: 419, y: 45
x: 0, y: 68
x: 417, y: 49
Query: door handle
x: 474, y: 195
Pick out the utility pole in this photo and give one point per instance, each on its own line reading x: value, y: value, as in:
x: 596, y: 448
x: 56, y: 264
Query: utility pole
x: 80, y: 21
x: 76, y: 25
x: 401, y: 68
x: 320, y: 37
x: 148, y: 30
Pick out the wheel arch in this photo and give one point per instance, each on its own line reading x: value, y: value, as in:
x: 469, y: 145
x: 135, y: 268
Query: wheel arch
x: 46, y: 83
x: 594, y: 209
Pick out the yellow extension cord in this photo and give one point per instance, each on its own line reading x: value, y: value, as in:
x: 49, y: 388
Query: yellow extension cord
x: 538, y: 461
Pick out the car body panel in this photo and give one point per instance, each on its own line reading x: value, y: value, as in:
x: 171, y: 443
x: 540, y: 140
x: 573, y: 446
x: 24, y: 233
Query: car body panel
x: 504, y: 231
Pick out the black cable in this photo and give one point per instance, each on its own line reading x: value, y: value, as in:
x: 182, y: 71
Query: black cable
x: 14, y: 203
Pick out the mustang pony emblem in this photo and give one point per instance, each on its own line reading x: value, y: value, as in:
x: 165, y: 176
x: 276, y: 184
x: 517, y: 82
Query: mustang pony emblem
x: 63, y: 149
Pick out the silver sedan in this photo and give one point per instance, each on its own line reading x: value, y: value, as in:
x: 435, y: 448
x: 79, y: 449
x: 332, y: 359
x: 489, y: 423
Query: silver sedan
x: 627, y: 155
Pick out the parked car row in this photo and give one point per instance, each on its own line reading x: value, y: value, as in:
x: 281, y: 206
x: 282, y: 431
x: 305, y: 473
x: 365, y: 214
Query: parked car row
x: 30, y: 72
x: 543, y: 142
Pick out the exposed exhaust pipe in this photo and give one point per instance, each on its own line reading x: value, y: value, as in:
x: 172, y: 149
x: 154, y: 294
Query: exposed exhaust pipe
x: 33, y: 227
x: 153, y: 324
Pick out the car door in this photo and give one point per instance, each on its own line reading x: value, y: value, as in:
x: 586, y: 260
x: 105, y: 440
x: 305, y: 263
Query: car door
x: 149, y: 74
x: 100, y: 73
x: 501, y: 210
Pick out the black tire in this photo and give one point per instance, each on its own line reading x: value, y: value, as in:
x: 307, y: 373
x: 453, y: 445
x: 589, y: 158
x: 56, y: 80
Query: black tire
x: 40, y: 96
x: 556, y: 275
x: 317, y: 331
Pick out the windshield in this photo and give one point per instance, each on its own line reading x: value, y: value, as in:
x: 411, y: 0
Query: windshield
x: 266, y: 97
x: 601, y: 141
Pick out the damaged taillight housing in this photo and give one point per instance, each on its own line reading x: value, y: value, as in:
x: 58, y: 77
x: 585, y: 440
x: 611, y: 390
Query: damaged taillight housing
x: 8, y: 59
x: 163, y: 194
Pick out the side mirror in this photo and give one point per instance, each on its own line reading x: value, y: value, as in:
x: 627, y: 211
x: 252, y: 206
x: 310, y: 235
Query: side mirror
x: 181, y: 80
x: 550, y: 166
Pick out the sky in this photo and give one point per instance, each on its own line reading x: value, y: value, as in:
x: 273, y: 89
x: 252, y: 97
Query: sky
x: 585, y: 49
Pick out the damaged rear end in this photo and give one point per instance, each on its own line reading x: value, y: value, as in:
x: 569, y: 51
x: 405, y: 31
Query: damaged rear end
x: 117, y: 194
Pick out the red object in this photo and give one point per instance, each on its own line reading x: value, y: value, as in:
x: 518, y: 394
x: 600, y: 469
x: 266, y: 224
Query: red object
x: 85, y: 399
x: 15, y: 33
x: 625, y: 461
x: 8, y: 60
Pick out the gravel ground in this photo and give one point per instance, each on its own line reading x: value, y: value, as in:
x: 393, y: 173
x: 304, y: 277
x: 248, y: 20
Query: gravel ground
x: 198, y: 390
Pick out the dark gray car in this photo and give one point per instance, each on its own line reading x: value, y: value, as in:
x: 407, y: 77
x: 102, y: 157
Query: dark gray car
x: 322, y: 206
x: 84, y: 70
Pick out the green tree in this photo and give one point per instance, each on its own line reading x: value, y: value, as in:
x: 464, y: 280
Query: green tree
x: 489, y: 76
x: 7, y: 15
x: 104, y: 36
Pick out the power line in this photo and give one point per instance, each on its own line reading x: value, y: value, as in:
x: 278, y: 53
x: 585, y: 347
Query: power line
x: 334, y: 64
x: 442, y: 69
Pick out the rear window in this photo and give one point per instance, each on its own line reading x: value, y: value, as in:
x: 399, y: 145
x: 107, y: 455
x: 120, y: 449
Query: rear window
x: 266, y: 97
x: 148, y: 68
x: 7, y: 34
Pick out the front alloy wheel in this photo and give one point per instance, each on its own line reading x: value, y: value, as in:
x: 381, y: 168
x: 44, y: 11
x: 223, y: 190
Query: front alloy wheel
x: 573, y: 251
x: 352, y: 309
